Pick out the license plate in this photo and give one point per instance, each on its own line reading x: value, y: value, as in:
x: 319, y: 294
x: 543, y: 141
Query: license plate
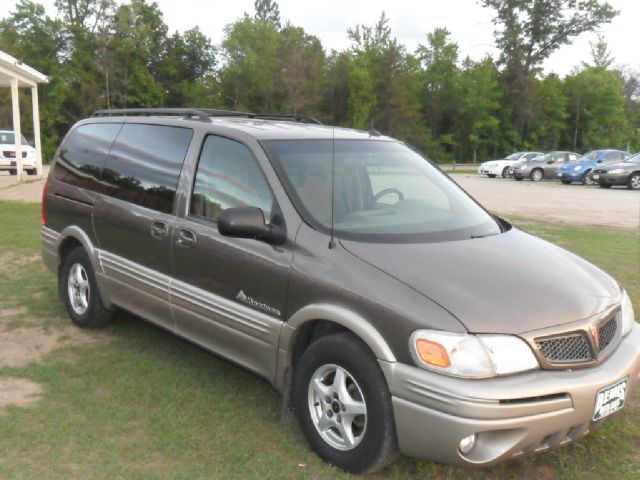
x: 596, y: 176
x: 610, y: 399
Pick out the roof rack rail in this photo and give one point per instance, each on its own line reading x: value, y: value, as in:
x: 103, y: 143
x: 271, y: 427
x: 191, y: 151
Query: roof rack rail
x: 182, y: 112
x: 203, y: 114
x: 286, y: 116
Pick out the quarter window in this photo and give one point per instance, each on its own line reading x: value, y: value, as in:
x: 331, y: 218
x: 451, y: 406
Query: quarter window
x: 145, y: 164
x: 83, y: 154
x: 228, y: 176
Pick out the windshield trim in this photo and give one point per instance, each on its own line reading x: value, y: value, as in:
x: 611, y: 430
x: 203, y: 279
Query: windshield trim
x: 475, y: 231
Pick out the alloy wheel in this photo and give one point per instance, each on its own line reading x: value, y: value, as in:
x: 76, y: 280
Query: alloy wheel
x: 78, y: 288
x: 337, y: 407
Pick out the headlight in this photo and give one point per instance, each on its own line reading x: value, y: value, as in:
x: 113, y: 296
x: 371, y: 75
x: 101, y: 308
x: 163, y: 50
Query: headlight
x: 626, y: 312
x: 577, y: 167
x: 471, y: 356
x: 616, y: 170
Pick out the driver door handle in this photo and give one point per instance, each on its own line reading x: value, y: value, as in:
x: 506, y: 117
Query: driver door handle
x: 186, y: 238
x: 159, y: 230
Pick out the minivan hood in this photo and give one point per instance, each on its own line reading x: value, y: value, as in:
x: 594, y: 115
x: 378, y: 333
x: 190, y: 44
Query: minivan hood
x: 509, y: 283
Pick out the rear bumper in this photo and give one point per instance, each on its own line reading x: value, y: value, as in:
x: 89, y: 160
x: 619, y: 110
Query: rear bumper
x: 49, y: 248
x: 511, y: 416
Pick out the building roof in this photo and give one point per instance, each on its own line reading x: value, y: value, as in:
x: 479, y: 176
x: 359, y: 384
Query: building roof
x: 11, y: 67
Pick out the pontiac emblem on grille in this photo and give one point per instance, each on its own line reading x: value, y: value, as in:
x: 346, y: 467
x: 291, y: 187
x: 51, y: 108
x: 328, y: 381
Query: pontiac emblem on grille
x: 595, y: 334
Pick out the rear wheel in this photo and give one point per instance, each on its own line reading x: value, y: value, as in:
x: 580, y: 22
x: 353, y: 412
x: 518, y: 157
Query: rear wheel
x: 634, y: 181
x: 81, y: 296
x: 587, y: 178
x: 344, y: 406
x: 536, y: 175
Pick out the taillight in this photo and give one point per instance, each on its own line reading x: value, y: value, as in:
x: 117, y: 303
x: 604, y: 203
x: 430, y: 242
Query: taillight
x: 44, y: 203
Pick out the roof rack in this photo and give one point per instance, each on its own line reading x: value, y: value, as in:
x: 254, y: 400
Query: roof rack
x: 182, y: 112
x: 203, y: 114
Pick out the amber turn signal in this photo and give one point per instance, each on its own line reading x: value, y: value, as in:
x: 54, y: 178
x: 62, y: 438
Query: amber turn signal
x: 432, y: 353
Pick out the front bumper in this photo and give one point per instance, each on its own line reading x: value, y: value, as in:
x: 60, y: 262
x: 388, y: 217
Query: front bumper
x: 572, y: 176
x: 512, y: 416
x: 612, y: 179
x: 490, y: 170
x: 521, y: 173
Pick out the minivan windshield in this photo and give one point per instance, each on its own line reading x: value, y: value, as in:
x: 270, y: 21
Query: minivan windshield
x: 384, y: 191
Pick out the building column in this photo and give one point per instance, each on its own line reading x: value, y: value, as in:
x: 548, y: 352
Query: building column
x: 15, y: 105
x: 36, y: 128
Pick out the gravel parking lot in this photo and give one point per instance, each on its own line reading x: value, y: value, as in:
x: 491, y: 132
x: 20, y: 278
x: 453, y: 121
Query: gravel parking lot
x: 550, y: 200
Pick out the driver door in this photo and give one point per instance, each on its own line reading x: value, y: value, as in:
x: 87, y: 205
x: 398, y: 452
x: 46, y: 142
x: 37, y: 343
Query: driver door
x: 229, y: 294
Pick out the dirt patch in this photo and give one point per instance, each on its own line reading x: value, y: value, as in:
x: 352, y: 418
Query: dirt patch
x: 25, y: 345
x: 19, y: 392
x: 10, y: 313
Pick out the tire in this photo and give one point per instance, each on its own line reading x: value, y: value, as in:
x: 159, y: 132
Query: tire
x: 374, y: 444
x: 13, y: 172
x: 587, y: 179
x: 566, y: 182
x: 505, y: 172
x: 519, y: 179
x: 32, y: 172
x: 77, y: 283
x: 537, y: 175
x: 491, y: 175
x: 604, y: 185
x: 634, y: 181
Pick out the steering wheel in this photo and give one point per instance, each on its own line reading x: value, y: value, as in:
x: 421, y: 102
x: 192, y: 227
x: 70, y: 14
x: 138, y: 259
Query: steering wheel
x: 384, y: 192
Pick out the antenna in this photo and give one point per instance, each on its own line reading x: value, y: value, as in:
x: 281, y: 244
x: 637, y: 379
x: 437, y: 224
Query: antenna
x: 332, y: 242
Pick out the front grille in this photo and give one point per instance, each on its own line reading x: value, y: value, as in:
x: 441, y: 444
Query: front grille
x: 572, y: 348
x: 607, y: 332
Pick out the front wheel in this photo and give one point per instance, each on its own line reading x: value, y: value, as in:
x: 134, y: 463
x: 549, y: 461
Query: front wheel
x: 78, y: 286
x: 344, y: 406
x: 536, y: 175
x: 505, y: 172
x: 587, y: 178
x: 634, y: 181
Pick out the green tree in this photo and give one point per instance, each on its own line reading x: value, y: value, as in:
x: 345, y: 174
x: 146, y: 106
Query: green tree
x: 528, y: 32
x: 267, y: 11
x: 549, y: 123
x: 596, y: 110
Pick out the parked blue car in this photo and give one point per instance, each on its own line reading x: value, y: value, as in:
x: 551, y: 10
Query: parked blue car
x: 580, y: 170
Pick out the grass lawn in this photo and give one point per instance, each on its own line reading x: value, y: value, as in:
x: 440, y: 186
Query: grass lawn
x: 132, y: 401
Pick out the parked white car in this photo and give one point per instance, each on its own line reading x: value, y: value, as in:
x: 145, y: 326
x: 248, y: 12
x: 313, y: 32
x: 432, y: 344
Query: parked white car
x: 493, y: 168
x: 8, y: 154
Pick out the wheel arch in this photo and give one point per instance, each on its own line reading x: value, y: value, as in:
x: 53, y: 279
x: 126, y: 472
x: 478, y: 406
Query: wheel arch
x: 312, y: 322
x: 73, y: 236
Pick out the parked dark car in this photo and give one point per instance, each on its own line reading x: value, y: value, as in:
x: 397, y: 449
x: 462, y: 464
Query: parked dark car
x: 543, y: 166
x: 625, y: 173
x: 581, y: 170
x: 350, y: 272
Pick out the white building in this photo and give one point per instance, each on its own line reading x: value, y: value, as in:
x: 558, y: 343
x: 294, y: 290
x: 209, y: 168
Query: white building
x: 15, y: 74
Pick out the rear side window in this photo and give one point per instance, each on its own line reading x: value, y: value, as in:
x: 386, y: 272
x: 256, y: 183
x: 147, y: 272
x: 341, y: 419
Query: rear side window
x: 83, y: 154
x: 228, y: 176
x: 145, y: 164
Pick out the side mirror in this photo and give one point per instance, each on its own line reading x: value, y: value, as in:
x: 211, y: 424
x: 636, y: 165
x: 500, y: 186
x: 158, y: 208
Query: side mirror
x: 248, y: 222
x: 599, y: 161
